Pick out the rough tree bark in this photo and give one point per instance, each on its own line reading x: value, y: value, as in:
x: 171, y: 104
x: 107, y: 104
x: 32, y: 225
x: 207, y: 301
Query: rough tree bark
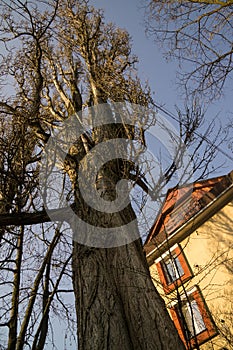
x: 117, y: 304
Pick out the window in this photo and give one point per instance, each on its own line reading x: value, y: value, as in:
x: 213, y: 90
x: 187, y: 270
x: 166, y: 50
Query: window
x: 173, y: 268
x: 192, y: 319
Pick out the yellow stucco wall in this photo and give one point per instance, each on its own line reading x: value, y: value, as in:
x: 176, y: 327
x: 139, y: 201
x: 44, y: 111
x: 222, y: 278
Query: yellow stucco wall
x: 209, y: 251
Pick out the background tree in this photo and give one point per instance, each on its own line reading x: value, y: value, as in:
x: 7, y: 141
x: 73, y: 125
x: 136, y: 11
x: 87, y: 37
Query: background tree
x: 198, y: 34
x: 31, y: 271
x: 60, y: 59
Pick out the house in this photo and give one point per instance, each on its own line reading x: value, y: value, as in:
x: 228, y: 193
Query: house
x: 189, y: 251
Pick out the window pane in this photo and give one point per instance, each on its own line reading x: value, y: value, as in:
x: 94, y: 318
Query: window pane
x: 199, y: 324
x: 169, y: 271
x: 178, y: 267
x: 193, y: 318
x: 173, y: 269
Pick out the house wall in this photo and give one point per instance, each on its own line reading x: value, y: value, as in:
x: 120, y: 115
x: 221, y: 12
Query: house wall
x: 209, y: 252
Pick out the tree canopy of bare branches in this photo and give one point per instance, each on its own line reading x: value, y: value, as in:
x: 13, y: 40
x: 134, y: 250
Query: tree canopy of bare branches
x: 198, y: 34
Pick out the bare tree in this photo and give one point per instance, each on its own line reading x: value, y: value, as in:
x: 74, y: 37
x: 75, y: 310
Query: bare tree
x: 29, y: 281
x: 64, y: 60
x: 198, y: 34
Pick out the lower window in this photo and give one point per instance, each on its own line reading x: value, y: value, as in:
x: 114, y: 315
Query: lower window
x: 192, y: 319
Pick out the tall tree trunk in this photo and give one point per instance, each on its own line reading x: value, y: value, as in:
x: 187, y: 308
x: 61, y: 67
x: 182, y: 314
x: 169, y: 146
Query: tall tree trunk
x: 117, y: 304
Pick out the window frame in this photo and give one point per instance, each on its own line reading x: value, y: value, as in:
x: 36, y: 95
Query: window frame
x: 177, y: 252
x: 203, y: 336
x: 172, y: 269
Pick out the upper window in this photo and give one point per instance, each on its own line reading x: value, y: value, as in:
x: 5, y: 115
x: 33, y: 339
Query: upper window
x: 173, y: 268
x: 192, y: 319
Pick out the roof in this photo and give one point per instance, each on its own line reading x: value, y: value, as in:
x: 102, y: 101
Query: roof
x: 182, y: 204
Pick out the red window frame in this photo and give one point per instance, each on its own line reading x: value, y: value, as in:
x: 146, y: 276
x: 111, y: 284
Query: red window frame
x: 169, y: 287
x: 210, y: 329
